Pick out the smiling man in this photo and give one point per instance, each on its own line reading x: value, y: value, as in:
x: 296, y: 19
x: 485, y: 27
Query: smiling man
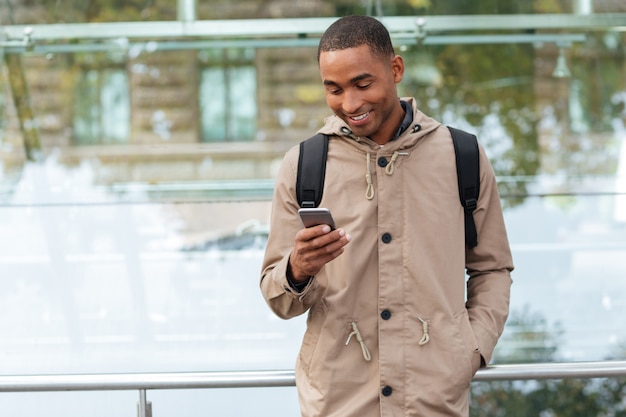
x: 391, y: 329
x: 357, y: 90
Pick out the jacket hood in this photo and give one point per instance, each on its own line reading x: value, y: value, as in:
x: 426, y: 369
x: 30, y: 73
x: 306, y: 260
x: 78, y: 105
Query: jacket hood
x: 401, y: 146
x: 420, y: 127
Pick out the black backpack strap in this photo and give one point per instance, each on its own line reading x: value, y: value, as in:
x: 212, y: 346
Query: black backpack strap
x: 468, y: 174
x: 311, y: 170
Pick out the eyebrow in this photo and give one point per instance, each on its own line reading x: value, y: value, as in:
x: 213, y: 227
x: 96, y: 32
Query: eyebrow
x: 354, y: 80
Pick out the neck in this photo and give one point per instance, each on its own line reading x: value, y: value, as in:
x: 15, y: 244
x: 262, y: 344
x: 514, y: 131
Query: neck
x: 383, y: 136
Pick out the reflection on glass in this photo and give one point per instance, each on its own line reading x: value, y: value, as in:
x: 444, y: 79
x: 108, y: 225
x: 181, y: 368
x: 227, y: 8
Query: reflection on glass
x: 146, y: 258
x: 102, y: 107
x: 227, y: 96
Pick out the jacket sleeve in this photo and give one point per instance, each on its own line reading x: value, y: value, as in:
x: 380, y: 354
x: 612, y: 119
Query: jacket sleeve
x: 489, y: 266
x: 285, y: 301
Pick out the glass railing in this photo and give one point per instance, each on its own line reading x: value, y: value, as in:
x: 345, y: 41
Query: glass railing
x: 267, y: 379
x: 131, y: 243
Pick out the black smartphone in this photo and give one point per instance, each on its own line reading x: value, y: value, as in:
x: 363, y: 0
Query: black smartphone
x: 315, y: 216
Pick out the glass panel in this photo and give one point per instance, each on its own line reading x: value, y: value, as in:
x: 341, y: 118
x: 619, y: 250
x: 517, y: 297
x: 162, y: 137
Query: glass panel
x: 102, y: 107
x: 102, y: 287
x: 87, y: 108
x: 143, y: 254
x: 228, y: 96
x: 566, y: 280
x: 63, y: 404
x: 212, y: 104
x: 242, y: 103
x: 115, y: 103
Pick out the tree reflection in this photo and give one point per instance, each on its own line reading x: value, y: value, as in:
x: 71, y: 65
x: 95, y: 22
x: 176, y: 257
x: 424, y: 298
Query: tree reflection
x: 488, y: 90
x: 533, y: 341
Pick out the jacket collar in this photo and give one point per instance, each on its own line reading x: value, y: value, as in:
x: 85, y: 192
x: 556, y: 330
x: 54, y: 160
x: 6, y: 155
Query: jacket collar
x: 414, y: 126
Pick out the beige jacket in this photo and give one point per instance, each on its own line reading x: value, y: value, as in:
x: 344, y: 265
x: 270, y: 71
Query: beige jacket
x: 390, y: 331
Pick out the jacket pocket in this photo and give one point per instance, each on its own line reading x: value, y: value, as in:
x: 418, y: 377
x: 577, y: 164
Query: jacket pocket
x: 315, y: 320
x: 469, y: 340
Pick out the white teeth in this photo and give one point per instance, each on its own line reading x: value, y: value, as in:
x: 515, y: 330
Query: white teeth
x: 361, y: 117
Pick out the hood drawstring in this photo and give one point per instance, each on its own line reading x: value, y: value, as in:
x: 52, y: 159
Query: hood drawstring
x: 357, y: 334
x: 369, y: 192
x: 425, y: 337
x: 390, y: 165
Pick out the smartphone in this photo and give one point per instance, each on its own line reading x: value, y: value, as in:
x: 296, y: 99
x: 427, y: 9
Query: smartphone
x: 315, y: 216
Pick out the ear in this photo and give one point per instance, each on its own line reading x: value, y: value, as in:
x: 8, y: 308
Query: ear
x: 397, y: 67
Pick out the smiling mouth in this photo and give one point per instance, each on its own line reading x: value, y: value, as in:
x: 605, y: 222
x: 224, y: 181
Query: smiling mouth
x: 360, y: 117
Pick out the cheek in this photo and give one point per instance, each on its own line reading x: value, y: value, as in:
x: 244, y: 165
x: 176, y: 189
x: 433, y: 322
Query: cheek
x: 333, y: 102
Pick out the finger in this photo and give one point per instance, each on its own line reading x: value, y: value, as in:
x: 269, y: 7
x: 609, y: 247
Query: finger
x: 338, y: 236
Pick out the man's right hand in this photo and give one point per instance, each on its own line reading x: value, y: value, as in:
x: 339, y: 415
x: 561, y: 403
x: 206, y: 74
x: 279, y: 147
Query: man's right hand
x: 313, y: 248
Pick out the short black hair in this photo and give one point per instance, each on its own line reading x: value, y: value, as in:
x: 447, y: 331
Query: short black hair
x: 353, y: 31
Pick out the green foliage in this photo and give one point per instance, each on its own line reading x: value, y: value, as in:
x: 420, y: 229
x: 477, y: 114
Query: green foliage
x: 549, y: 398
x: 560, y: 398
x: 498, y: 399
x: 475, y: 83
x: 482, y: 7
x: 130, y: 10
x: 79, y: 11
x: 612, y: 395
x: 550, y: 6
x: 456, y: 7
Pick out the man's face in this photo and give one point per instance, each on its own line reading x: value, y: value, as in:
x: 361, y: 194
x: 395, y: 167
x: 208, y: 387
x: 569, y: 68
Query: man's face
x: 361, y: 90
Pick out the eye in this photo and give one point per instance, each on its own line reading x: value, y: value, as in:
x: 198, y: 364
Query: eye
x: 363, y: 86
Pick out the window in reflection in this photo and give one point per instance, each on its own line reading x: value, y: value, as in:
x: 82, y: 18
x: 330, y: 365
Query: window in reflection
x: 228, y: 95
x: 102, y: 107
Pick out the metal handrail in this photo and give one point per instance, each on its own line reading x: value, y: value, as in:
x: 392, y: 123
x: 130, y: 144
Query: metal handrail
x: 259, y: 379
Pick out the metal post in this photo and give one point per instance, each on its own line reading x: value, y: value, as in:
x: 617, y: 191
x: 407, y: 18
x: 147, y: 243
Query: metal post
x: 583, y: 7
x: 144, y: 407
x: 186, y: 10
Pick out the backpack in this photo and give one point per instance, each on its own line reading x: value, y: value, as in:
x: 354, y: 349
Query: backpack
x: 312, y: 170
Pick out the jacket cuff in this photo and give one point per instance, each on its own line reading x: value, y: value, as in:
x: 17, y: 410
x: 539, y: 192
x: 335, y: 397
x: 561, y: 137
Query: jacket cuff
x: 296, y: 286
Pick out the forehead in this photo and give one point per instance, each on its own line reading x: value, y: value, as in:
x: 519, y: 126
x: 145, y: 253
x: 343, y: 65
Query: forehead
x: 346, y: 63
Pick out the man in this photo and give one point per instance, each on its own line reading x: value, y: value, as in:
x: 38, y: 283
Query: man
x: 389, y: 331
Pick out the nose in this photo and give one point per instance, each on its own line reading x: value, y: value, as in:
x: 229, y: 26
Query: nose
x: 351, y: 102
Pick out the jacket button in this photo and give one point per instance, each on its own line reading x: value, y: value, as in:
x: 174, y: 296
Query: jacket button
x: 385, y: 314
x: 386, y: 391
x: 386, y: 238
x: 382, y: 162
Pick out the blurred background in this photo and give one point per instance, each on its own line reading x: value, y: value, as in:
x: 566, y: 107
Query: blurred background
x: 139, y: 141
